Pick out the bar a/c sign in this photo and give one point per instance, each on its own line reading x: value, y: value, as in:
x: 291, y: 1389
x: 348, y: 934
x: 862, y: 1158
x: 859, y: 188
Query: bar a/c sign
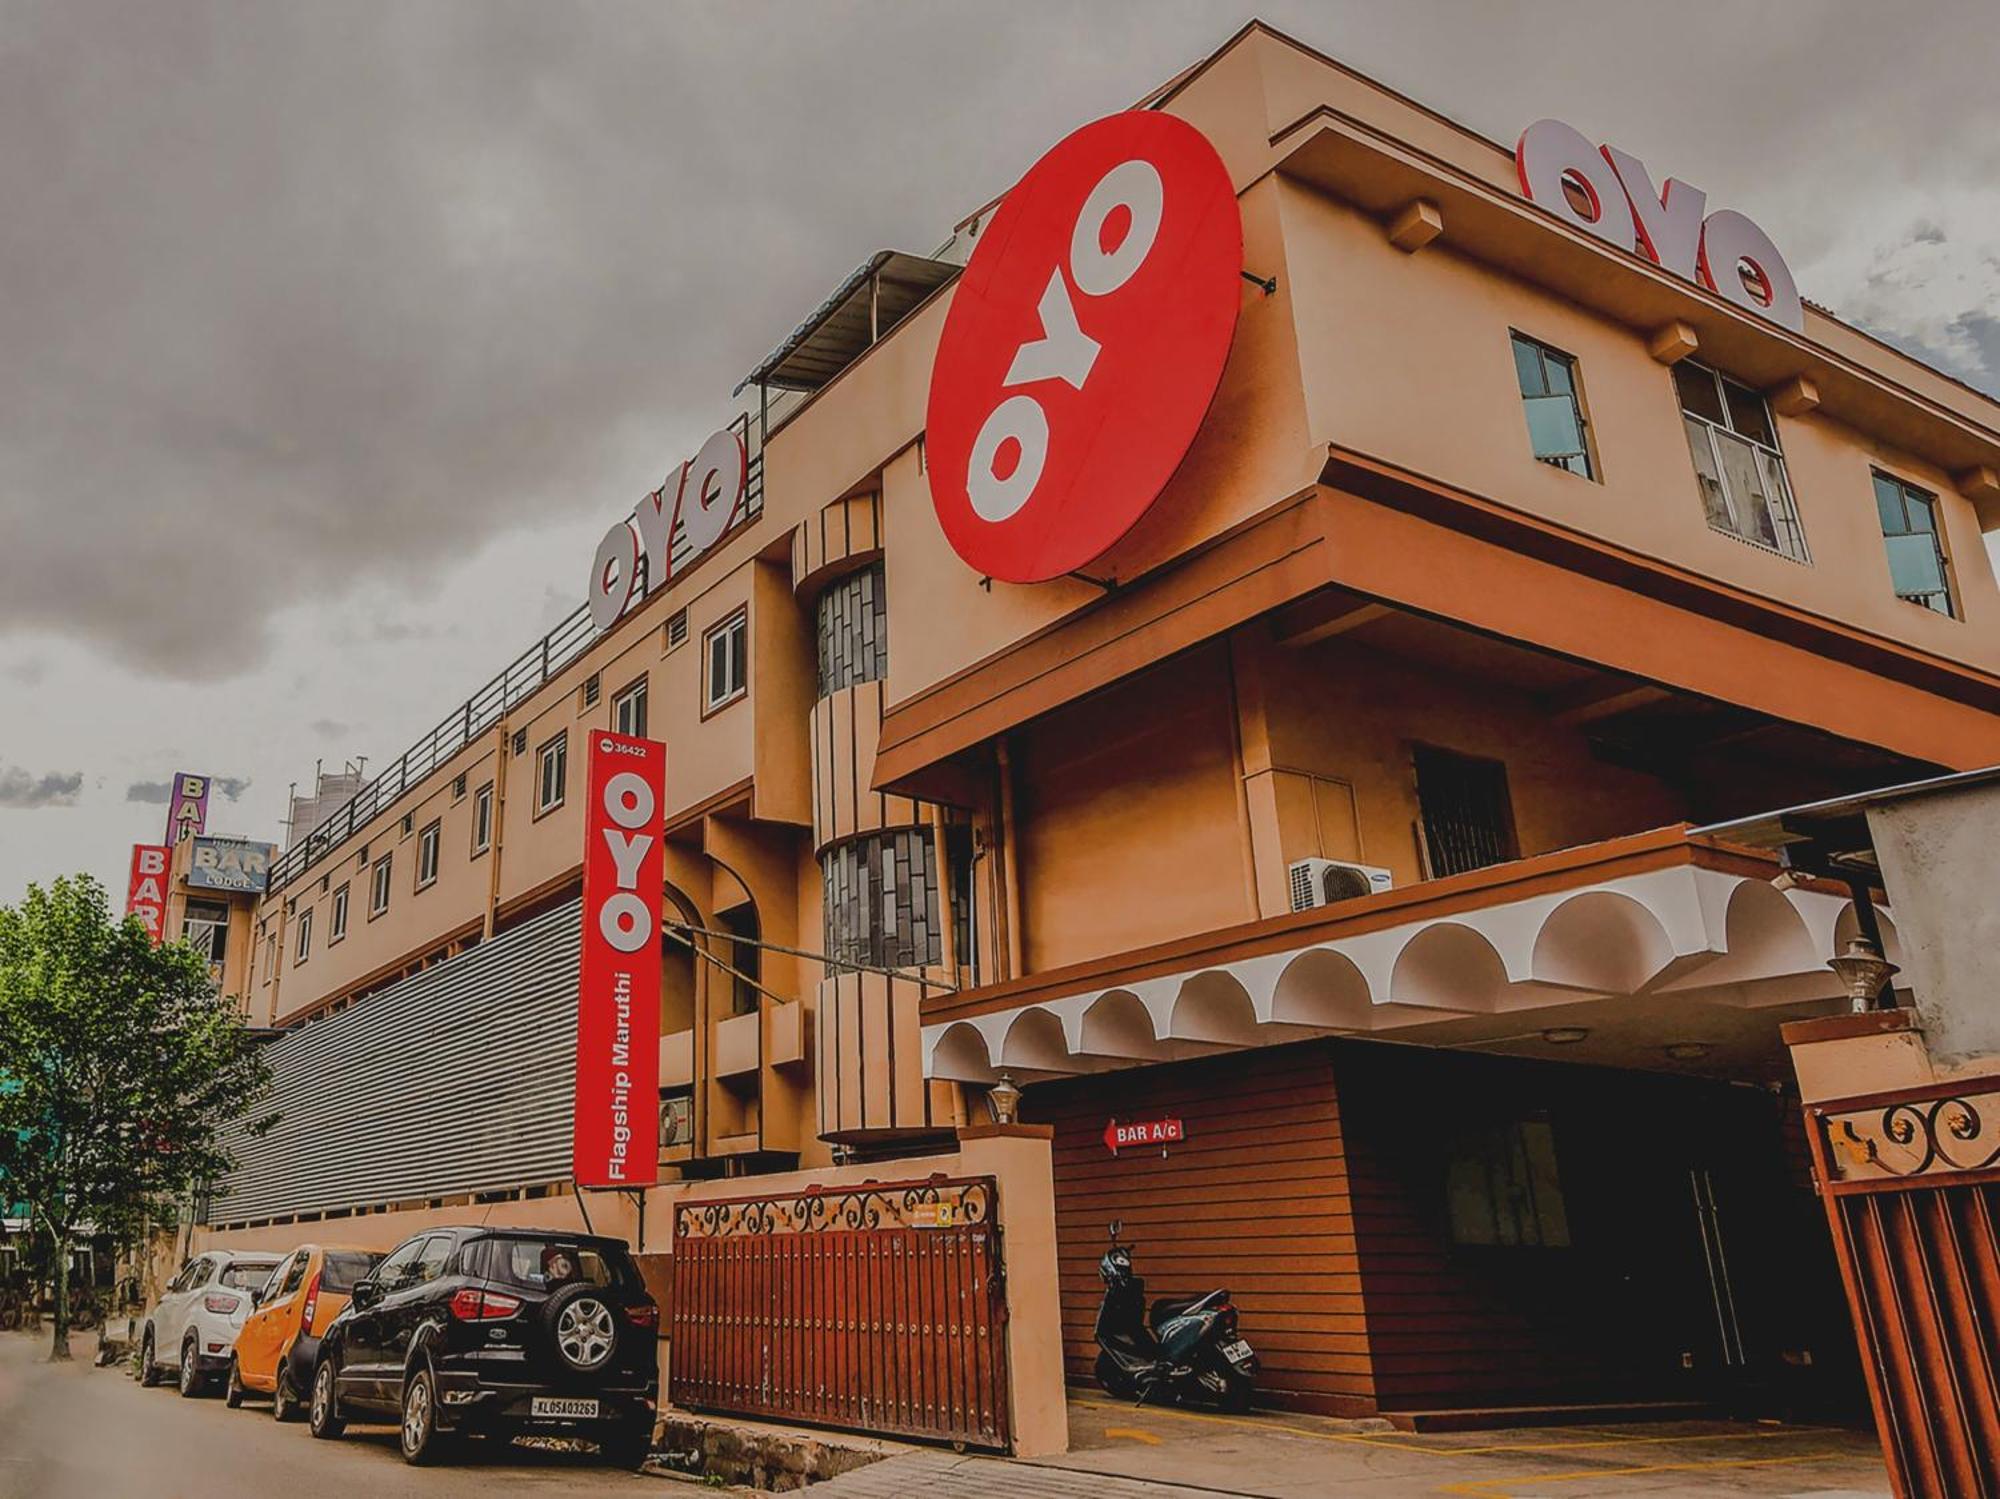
x: 616, y: 1120
x: 1143, y: 1132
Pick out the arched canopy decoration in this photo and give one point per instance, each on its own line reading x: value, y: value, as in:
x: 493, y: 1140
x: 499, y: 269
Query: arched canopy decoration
x: 1651, y: 921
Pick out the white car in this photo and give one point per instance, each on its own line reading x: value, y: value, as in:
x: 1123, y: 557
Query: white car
x: 194, y: 1324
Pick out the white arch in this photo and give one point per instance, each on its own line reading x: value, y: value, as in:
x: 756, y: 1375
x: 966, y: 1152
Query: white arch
x: 1602, y: 942
x: 958, y: 1054
x: 1322, y: 987
x: 1035, y: 1042
x: 1213, y: 1006
x: 1449, y: 966
x: 1115, y: 1024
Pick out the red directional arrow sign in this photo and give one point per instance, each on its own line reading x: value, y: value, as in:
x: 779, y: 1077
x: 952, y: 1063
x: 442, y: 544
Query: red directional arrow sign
x: 1143, y: 1132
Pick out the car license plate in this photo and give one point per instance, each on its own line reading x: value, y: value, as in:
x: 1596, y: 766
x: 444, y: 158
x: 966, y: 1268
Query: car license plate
x: 1237, y: 1352
x: 556, y: 1405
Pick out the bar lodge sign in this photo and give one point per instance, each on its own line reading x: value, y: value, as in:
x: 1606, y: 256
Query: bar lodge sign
x: 1140, y: 1132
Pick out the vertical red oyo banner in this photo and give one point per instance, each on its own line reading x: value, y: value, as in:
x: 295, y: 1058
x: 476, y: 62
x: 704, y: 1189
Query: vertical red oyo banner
x: 146, y: 890
x: 617, y: 1110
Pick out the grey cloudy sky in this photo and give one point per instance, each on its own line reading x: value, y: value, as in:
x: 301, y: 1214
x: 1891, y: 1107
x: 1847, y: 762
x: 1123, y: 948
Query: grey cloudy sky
x: 331, y: 336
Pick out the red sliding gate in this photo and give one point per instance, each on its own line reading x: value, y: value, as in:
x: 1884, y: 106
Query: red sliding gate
x: 877, y: 1308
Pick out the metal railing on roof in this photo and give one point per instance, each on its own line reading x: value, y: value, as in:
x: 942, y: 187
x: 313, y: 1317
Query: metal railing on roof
x: 522, y: 678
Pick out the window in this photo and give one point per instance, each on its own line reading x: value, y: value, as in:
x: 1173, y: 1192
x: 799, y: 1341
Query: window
x: 1501, y: 1188
x: 337, y: 927
x: 1464, y: 812
x: 427, y: 854
x: 458, y: 786
x: 482, y: 819
x: 1917, y: 564
x: 727, y: 648
x: 853, y: 631
x: 551, y: 768
x: 592, y: 686
x: 628, y: 710
x: 520, y: 743
x: 880, y: 896
x: 431, y: 1259
x: 1736, y: 461
x: 378, y: 888
x: 677, y: 628
x: 205, y: 928
x: 294, y: 1272
x: 1556, y: 425
x: 304, y: 948
x: 409, y: 823
x: 745, y: 983
x: 399, y: 1269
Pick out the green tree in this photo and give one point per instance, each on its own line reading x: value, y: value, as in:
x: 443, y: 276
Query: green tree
x: 124, y: 1065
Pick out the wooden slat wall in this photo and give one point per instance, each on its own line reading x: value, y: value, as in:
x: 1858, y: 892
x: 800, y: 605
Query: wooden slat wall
x: 1256, y: 1199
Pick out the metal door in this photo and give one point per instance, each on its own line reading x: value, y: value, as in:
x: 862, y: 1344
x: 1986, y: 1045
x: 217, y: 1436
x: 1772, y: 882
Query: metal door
x: 878, y: 1309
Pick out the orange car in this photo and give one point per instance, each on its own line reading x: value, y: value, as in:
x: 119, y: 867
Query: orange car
x: 280, y: 1339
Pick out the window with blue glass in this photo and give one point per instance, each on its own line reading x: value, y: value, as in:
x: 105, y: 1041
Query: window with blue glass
x: 1918, y: 568
x: 1557, y: 430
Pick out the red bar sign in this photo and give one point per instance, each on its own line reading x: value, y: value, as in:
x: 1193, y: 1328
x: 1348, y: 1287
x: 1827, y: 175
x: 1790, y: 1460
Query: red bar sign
x: 616, y: 1131
x: 146, y: 890
x: 1143, y: 1132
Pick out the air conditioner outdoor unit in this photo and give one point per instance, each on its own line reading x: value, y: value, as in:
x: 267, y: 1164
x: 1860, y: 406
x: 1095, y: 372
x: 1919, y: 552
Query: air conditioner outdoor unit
x: 1321, y: 882
x: 677, y: 1120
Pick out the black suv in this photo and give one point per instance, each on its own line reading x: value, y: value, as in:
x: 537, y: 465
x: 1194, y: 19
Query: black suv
x: 501, y: 1332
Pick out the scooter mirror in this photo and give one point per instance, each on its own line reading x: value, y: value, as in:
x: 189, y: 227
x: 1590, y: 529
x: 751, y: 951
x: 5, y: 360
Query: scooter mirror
x: 1116, y: 1224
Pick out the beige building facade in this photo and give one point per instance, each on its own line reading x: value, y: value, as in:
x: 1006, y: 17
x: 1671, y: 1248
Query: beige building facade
x: 1503, y: 557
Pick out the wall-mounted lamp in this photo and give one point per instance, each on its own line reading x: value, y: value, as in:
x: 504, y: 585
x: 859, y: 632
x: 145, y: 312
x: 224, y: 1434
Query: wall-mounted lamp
x: 1863, y: 972
x: 1004, y: 1099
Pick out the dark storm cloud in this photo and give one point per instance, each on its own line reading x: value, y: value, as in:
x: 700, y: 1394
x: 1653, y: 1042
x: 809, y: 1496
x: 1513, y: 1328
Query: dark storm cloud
x: 297, y: 295
x: 24, y: 790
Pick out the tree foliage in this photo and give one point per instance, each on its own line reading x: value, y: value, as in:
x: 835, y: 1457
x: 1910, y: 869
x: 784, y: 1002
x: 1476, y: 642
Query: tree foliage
x: 120, y: 1067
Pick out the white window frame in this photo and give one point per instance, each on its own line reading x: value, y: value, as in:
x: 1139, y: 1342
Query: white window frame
x: 1784, y: 504
x: 635, y: 692
x: 381, y: 880
x: 302, y: 948
x: 337, y: 921
x: 735, y: 629
x: 429, y: 841
x: 482, y: 819
x: 556, y: 749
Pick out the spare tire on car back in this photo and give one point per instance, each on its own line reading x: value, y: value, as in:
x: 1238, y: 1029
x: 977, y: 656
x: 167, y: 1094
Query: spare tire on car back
x: 581, y: 1326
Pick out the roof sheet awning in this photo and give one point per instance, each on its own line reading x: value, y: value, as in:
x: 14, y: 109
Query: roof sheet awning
x: 884, y: 290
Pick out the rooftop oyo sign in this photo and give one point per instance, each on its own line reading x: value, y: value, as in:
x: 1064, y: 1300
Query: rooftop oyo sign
x: 704, y: 494
x: 1084, y: 344
x: 1606, y: 192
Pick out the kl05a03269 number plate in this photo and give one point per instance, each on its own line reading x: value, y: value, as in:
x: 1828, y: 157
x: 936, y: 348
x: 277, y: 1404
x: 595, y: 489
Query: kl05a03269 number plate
x: 1237, y: 1352
x: 574, y: 1410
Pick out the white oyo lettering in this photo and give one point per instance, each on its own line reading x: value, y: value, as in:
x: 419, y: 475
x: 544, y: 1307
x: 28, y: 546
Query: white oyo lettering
x: 1064, y: 351
x: 612, y: 572
x: 628, y: 851
x: 625, y: 922
x: 1134, y: 186
x: 628, y: 800
x: 1609, y: 193
x: 1021, y: 420
x: 1669, y: 222
x: 704, y: 495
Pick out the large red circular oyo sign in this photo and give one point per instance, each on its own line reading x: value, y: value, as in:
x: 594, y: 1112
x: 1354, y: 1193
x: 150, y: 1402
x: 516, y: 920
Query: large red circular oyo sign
x: 1084, y: 345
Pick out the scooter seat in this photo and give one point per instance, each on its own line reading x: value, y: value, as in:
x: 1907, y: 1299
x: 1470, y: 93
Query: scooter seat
x: 1169, y: 1307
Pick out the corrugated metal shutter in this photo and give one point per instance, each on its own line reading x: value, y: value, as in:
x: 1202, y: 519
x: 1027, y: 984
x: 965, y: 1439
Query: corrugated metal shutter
x: 456, y: 1080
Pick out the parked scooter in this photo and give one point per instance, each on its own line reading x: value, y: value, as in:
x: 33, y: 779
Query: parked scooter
x: 1187, y: 1348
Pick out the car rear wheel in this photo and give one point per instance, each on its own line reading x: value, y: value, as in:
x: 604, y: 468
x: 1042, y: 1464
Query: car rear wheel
x: 422, y: 1442
x: 190, y: 1381
x: 149, y: 1371
x: 232, y: 1393
x: 284, y: 1404
x: 582, y: 1328
x: 324, y: 1418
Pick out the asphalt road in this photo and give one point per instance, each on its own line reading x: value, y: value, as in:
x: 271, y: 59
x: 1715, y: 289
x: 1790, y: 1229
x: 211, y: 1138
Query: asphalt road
x: 71, y: 1431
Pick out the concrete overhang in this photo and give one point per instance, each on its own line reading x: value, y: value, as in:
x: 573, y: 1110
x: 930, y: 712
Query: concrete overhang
x: 1859, y: 382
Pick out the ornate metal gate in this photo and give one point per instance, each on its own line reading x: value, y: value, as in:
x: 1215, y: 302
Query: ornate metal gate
x: 1912, y: 1185
x: 877, y: 1308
